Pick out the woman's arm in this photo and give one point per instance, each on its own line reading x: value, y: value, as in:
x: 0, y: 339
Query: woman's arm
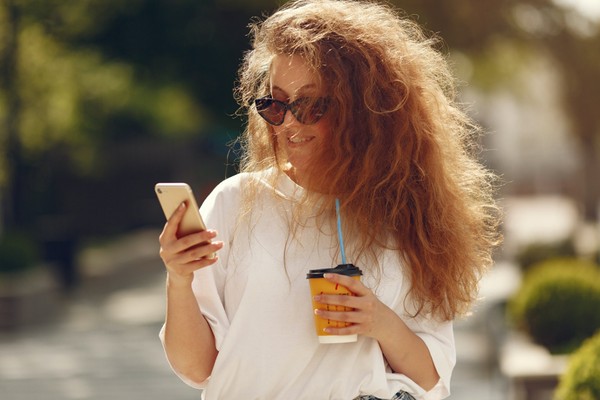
x: 405, y: 352
x: 188, y: 338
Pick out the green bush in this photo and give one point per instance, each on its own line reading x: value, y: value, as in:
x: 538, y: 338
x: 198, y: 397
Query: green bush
x: 558, y: 303
x: 581, y: 380
x: 17, y: 253
x: 535, y: 253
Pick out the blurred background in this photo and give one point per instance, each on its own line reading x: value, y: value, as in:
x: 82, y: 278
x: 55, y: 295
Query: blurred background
x: 101, y: 99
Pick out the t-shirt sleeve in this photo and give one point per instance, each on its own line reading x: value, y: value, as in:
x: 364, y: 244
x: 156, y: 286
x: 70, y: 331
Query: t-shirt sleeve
x: 439, y: 339
x: 438, y: 335
x: 219, y: 212
x: 443, y: 352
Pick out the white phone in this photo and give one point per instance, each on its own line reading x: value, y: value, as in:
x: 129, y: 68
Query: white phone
x: 170, y: 196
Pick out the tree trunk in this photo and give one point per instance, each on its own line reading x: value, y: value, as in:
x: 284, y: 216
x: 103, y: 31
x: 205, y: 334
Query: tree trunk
x: 591, y: 180
x: 12, y: 186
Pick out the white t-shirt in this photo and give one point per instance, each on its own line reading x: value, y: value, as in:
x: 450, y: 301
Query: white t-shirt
x: 257, y: 301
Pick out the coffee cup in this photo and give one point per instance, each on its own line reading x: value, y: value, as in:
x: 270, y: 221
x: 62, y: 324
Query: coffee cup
x: 319, y: 285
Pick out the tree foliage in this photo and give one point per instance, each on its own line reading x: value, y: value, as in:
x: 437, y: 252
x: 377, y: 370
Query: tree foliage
x: 59, y: 94
x: 501, y: 36
x: 80, y: 77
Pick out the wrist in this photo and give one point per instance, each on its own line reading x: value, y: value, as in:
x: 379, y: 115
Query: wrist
x: 389, y: 326
x: 177, y: 281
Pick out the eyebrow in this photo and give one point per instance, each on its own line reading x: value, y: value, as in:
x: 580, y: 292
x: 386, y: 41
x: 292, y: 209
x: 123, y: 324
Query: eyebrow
x: 300, y: 90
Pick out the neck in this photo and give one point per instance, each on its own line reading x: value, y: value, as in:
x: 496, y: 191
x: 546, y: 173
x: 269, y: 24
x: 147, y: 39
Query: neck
x: 293, y: 174
x: 301, y: 178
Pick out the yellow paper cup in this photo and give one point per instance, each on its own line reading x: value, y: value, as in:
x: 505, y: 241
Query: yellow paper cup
x: 319, y: 285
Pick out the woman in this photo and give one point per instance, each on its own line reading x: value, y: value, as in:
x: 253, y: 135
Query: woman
x: 348, y: 100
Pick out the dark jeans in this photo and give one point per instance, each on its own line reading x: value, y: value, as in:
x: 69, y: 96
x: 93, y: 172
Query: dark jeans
x: 398, y: 396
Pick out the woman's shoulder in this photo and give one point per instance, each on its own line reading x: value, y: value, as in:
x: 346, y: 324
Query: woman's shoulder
x: 235, y: 194
x: 242, y: 180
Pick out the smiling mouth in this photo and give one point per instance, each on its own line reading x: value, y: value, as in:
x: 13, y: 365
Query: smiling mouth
x: 296, y: 139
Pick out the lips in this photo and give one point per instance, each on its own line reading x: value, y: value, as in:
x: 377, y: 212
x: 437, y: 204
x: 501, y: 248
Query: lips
x: 299, y: 139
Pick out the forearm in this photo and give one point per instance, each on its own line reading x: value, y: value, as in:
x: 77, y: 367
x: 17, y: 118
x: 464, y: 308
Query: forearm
x: 406, y: 353
x: 189, y: 341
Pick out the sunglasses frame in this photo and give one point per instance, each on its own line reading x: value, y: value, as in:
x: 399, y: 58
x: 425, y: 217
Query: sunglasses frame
x: 320, y: 103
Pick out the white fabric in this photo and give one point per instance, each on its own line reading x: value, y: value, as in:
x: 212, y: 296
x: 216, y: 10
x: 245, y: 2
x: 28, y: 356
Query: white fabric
x: 257, y: 301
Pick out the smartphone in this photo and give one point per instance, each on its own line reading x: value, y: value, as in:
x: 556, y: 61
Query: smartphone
x: 170, y: 196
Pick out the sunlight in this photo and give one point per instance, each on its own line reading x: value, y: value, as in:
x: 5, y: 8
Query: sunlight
x: 588, y: 8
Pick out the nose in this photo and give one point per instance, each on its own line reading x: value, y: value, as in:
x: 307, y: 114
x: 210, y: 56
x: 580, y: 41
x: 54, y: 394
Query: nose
x: 289, y: 118
x: 288, y: 122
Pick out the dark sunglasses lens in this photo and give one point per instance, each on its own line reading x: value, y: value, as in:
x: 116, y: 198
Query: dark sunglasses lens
x: 309, y: 111
x: 271, y: 110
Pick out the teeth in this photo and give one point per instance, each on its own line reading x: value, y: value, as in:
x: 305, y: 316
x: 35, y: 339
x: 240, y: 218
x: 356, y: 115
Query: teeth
x: 298, y: 139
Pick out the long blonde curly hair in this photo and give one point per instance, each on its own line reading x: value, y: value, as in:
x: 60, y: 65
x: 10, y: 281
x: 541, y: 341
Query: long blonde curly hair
x: 402, y: 154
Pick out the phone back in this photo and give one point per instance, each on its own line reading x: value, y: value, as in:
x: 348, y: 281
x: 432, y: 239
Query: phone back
x: 170, y: 196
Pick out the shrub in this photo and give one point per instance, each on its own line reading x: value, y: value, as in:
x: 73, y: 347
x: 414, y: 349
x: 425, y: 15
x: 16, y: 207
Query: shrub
x: 17, y: 253
x: 581, y: 380
x: 557, y: 303
x: 535, y: 253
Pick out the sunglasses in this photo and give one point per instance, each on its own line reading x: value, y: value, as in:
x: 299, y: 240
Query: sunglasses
x: 306, y: 110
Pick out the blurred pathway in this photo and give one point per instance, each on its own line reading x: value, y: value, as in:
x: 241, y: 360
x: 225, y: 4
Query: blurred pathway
x: 479, y: 338
x: 105, y: 346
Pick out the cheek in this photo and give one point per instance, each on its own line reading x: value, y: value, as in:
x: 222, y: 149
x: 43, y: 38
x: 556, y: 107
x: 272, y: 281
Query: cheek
x: 322, y: 127
x: 274, y: 138
x: 323, y: 131
x: 275, y: 131
x: 277, y: 135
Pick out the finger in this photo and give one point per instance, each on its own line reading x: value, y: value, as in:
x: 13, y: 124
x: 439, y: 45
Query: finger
x: 351, y: 283
x: 204, y: 251
x: 189, y: 255
x: 191, y: 267
x: 200, y: 263
x: 350, y: 317
x: 347, y: 322
x: 338, y: 300
x: 170, y: 229
x: 348, y: 330
x: 193, y: 240
x: 341, y: 323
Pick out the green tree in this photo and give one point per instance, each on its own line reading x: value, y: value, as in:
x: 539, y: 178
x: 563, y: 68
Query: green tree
x: 76, y: 76
x: 486, y: 30
x: 61, y: 98
x: 574, y: 43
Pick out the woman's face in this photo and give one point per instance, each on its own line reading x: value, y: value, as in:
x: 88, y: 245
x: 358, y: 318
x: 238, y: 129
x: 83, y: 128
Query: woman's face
x: 291, y: 79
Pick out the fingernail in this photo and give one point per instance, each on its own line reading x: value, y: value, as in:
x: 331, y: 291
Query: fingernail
x: 182, y: 205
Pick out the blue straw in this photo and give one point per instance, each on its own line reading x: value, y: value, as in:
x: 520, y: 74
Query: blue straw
x: 339, y: 228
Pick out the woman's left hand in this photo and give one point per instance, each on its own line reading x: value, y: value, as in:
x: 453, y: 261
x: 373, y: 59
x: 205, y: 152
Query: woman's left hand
x: 404, y: 351
x: 368, y: 312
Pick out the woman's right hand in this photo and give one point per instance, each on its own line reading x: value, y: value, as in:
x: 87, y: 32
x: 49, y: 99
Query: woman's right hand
x: 182, y: 256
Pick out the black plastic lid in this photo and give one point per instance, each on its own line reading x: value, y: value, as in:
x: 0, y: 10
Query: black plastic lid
x: 342, y: 269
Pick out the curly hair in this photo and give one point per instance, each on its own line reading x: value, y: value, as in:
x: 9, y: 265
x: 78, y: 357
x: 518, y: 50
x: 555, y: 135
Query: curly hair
x: 402, y: 155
